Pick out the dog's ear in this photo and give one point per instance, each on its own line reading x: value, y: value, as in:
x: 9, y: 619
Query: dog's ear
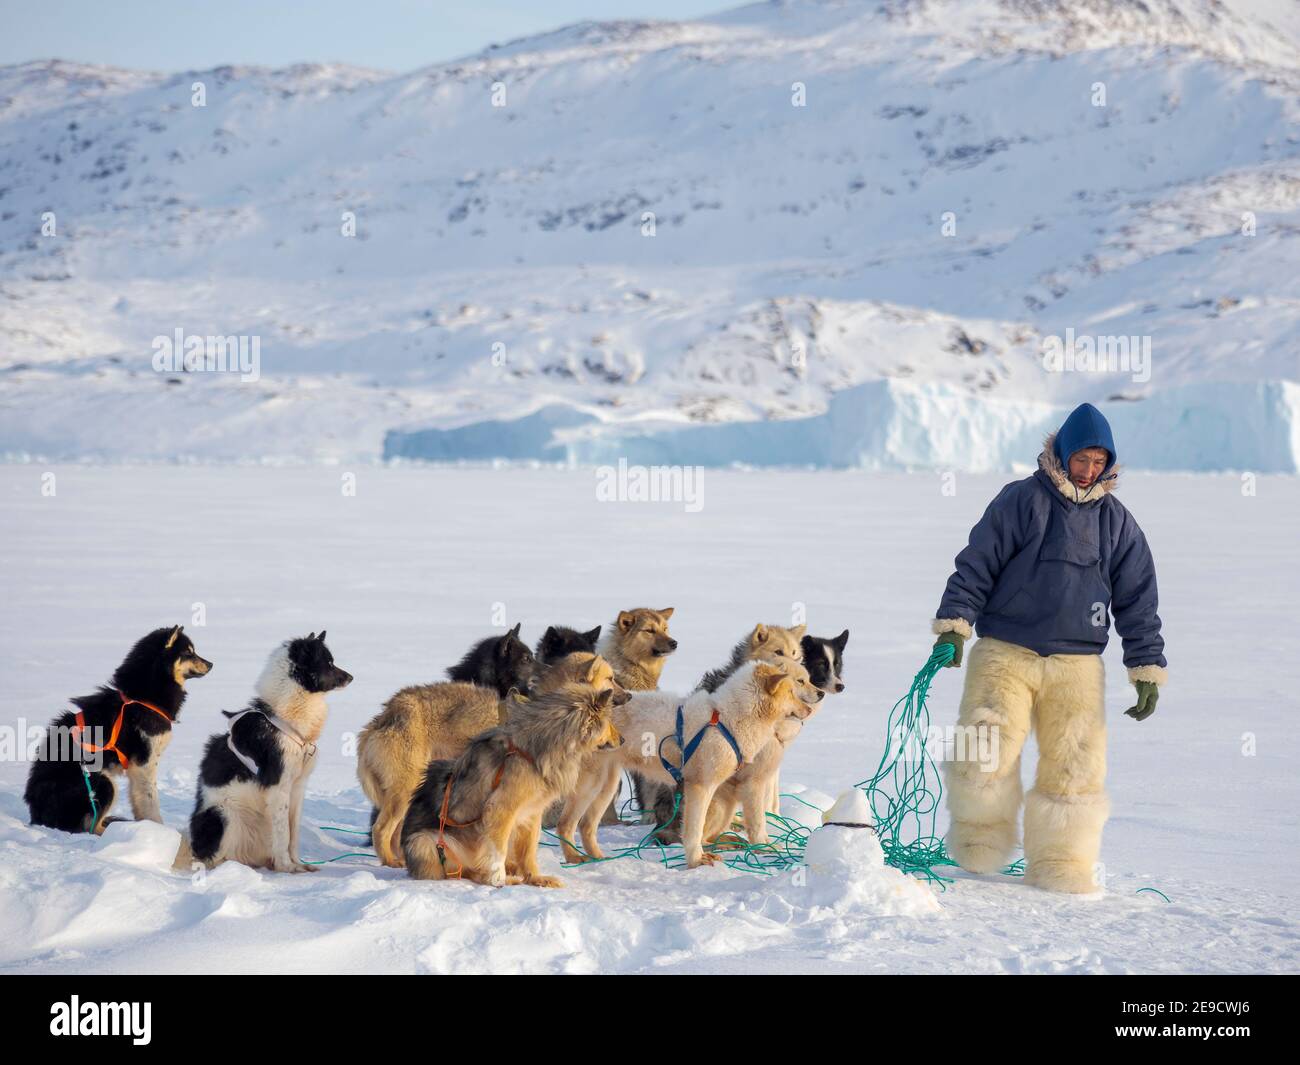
x: 759, y: 635
x: 321, y: 637
x: 799, y: 631
x: 772, y: 681
x: 841, y: 640
x: 593, y: 669
x: 171, y: 637
x: 548, y: 635
x: 311, y: 635
x: 667, y: 612
x: 514, y: 633
x: 626, y: 619
x: 593, y: 635
x: 604, y: 698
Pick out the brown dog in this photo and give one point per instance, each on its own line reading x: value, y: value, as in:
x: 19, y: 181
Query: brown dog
x: 428, y: 722
x: 479, y: 817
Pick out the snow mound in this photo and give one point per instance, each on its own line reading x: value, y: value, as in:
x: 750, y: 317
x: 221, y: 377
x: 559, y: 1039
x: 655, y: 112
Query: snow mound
x: 848, y: 874
x: 804, y: 806
x: 144, y: 844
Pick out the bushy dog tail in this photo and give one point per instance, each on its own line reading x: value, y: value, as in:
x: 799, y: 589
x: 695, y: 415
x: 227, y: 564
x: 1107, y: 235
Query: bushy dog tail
x: 421, y: 854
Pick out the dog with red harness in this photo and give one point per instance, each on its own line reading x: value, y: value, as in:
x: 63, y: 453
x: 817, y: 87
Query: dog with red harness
x: 120, y: 730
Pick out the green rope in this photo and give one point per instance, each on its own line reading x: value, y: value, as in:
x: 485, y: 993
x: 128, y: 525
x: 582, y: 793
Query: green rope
x: 336, y: 858
x: 903, y: 801
x: 94, y: 806
x: 906, y: 789
x: 1155, y: 890
x: 340, y: 857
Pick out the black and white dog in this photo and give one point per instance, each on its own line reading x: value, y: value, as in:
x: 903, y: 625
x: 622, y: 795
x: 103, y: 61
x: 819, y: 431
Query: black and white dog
x: 120, y: 730
x: 559, y: 641
x: 252, y: 778
x: 824, y: 660
x: 500, y: 662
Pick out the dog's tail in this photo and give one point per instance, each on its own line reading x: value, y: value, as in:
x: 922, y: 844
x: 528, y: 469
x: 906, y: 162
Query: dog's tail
x: 422, y: 859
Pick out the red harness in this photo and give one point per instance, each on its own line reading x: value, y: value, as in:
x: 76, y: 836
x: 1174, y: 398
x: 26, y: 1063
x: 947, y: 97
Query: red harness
x: 116, y: 731
x: 444, y: 822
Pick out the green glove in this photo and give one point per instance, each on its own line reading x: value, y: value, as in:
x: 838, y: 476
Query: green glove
x: 956, y: 639
x: 1148, y: 692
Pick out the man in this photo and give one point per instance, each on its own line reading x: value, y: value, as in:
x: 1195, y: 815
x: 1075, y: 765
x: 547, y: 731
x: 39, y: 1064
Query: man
x: 1051, y: 555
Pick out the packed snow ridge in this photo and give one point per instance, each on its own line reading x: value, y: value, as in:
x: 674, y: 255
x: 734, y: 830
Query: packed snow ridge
x: 845, y: 234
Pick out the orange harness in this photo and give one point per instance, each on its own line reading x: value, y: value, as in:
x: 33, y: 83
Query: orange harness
x: 444, y: 821
x: 116, y: 731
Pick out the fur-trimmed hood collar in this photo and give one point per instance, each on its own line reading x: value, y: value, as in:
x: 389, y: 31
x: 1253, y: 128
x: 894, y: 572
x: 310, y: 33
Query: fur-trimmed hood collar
x: 1056, y: 473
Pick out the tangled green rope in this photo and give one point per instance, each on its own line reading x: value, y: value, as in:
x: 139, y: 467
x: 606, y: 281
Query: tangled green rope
x: 905, y: 791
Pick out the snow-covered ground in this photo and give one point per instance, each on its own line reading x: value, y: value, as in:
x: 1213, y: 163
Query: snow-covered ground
x: 406, y: 572
x: 735, y: 234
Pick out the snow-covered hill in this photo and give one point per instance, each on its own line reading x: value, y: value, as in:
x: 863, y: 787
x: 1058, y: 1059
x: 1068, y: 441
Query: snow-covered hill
x: 837, y: 233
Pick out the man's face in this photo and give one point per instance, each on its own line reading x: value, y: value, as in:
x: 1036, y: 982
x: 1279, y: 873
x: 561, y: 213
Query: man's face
x: 1087, y: 465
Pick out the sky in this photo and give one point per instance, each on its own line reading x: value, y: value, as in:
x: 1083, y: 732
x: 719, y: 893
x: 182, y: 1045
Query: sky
x: 396, y: 35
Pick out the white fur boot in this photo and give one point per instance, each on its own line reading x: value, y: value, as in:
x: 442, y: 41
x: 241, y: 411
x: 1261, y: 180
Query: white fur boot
x: 1067, y: 808
x: 1063, y: 842
x: 984, y: 794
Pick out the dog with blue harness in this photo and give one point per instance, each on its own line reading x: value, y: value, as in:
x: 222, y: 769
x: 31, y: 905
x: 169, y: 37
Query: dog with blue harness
x: 727, y: 729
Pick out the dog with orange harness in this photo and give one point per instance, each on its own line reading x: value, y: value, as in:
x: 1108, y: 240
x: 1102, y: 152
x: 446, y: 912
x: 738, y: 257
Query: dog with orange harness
x: 479, y: 817
x: 121, y: 730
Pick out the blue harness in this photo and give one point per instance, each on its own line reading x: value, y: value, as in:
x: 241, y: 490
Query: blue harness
x: 688, y: 749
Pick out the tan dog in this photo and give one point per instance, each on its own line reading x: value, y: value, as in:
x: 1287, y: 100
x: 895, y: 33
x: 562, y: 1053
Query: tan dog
x: 428, y: 722
x: 764, y: 643
x: 480, y: 816
x: 756, y: 698
x: 636, y: 645
x: 753, y: 786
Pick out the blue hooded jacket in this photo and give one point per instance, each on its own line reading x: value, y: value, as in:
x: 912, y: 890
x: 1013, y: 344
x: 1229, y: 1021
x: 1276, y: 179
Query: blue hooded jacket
x: 1048, y: 563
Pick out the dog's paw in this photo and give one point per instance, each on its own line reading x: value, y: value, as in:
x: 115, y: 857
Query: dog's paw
x: 306, y: 867
x: 544, y: 881
x: 578, y: 858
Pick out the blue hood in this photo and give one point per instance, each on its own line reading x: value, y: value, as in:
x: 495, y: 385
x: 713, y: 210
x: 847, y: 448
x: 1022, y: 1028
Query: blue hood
x: 1085, y: 427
